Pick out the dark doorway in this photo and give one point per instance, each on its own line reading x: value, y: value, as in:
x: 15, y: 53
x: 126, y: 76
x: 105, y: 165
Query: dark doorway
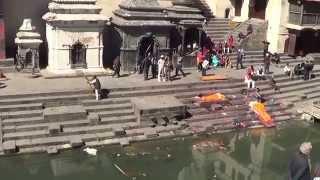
x: 191, y: 40
x: 78, y: 55
x: 227, y: 13
x: 308, y: 41
x: 257, y: 8
x: 238, y: 6
x: 147, y: 44
x: 112, y: 42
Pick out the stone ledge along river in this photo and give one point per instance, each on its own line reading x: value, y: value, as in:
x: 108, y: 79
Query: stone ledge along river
x: 261, y: 154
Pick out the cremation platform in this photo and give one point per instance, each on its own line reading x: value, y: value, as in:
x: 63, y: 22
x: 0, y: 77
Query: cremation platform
x: 164, y: 106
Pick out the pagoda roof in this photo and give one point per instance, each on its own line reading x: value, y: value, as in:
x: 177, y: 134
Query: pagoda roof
x: 136, y: 23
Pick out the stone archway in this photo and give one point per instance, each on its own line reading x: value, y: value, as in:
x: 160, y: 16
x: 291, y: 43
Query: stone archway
x: 147, y: 44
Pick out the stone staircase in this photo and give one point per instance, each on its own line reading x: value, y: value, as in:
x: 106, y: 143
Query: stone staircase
x: 217, y: 29
x: 204, y: 7
x: 253, y: 41
x: 50, y: 122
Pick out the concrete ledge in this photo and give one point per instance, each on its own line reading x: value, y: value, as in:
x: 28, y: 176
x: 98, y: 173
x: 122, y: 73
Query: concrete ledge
x: 76, y: 141
x: 64, y: 113
x: 9, y: 147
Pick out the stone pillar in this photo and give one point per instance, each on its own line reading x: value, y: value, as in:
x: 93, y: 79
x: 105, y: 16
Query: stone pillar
x: 2, y: 34
x: 245, y: 10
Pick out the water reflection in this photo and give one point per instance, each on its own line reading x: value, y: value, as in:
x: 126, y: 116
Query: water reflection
x: 246, y: 155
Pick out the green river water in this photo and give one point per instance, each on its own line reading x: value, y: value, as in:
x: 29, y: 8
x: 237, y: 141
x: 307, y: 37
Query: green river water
x: 244, y: 155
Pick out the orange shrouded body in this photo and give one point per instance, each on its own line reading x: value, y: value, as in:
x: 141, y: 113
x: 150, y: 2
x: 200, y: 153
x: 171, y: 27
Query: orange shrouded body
x: 260, y: 110
x: 213, y: 97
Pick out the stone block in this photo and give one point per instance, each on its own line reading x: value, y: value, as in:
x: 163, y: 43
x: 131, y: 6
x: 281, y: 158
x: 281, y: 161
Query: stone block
x: 157, y: 106
x: 94, y: 118
x: 63, y: 113
x: 119, y: 131
x: 54, y: 129
x: 76, y: 141
x: 52, y: 150
x: 9, y: 147
x: 151, y: 133
x: 124, y: 142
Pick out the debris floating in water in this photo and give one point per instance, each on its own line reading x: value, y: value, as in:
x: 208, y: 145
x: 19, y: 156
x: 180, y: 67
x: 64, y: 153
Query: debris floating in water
x: 122, y: 171
x: 91, y: 151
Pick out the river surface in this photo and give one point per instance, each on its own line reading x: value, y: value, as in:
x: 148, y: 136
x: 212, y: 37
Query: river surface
x: 244, y: 155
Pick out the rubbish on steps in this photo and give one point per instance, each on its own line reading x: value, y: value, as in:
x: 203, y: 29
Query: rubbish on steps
x: 91, y: 151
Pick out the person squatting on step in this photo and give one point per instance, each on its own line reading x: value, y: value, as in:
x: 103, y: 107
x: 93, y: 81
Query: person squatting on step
x: 95, y: 82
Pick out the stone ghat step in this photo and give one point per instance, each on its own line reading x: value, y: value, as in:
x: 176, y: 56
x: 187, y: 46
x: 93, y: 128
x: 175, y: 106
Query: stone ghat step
x: 21, y: 114
x: 124, y: 112
x: 219, y: 126
x: 157, y: 129
x: 23, y: 121
x: 90, y: 138
x: 295, y: 88
x: 43, y: 126
x: 37, y: 98
x: 21, y: 107
x: 108, y: 107
x: 93, y: 102
x: 72, y: 94
x: 221, y: 28
x: 25, y: 134
x: 244, y: 113
x: 175, y: 90
x: 118, y: 119
x: 64, y: 113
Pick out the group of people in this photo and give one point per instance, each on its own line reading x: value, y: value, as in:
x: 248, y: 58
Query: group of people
x: 302, y: 69
x: 215, y: 55
x: 161, y: 68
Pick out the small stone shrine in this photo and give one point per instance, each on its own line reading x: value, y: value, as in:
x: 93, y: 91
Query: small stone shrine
x: 75, y: 36
x: 146, y: 27
x: 28, y: 41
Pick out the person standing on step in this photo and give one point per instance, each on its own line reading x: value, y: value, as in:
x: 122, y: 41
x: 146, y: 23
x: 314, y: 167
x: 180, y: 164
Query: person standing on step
x: 116, y: 67
x: 146, y: 65
x: 265, y: 48
x: 205, y: 67
x: 266, y: 62
x: 230, y: 43
x: 95, y: 82
x: 179, y: 66
x: 161, y: 63
x: 240, y: 56
x: 154, y: 64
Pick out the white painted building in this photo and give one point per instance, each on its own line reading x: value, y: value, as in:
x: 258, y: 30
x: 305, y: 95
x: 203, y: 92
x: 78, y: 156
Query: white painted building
x: 74, y: 31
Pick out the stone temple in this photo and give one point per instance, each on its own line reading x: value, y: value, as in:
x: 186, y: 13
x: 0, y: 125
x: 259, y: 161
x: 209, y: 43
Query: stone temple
x: 74, y: 35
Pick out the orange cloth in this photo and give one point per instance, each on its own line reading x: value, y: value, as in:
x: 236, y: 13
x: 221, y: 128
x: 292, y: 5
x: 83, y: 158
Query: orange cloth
x: 216, y: 97
x: 213, y: 77
x: 260, y: 110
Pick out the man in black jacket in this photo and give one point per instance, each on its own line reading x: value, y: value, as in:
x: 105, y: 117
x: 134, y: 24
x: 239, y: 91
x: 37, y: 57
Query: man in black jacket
x: 299, y: 166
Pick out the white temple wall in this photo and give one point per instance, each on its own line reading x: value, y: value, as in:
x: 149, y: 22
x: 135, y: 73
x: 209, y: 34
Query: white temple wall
x: 60, y: 40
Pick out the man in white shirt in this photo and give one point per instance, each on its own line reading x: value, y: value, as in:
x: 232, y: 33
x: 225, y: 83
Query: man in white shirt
x: 161, y: 63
